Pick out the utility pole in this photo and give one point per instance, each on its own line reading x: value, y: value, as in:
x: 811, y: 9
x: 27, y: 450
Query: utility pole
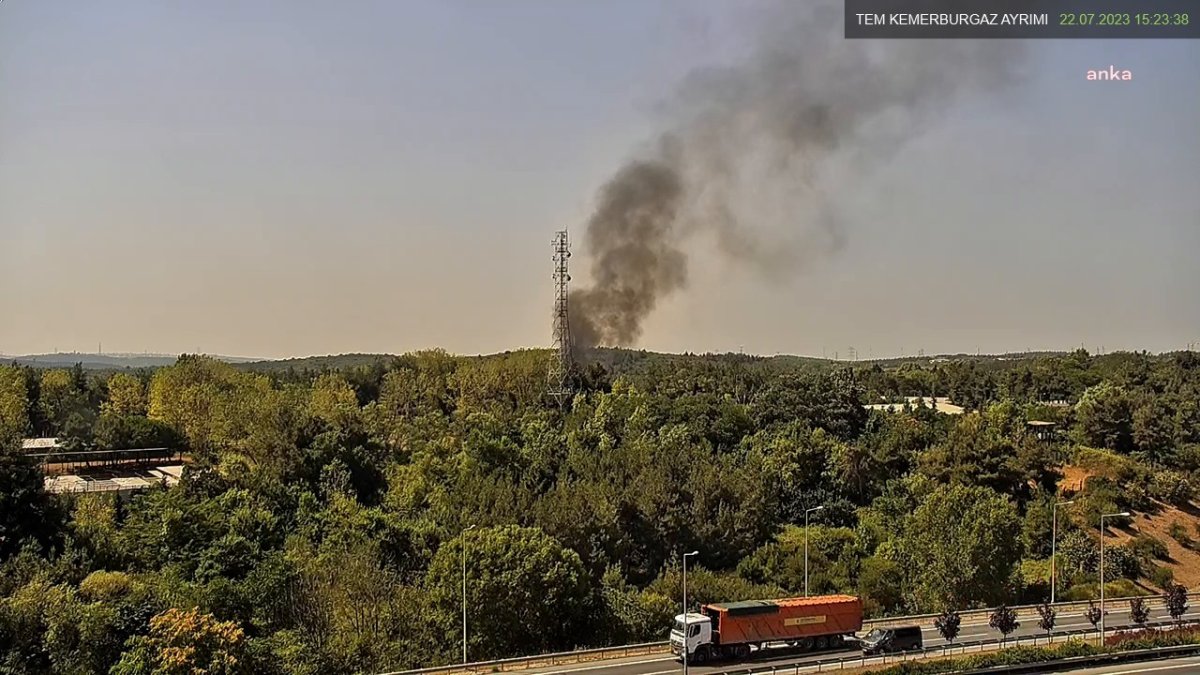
x: 1102, y: 613
x: 1054, y: 547
x: 686, y: 636
x: 464, y: 589
x: 806, y: 512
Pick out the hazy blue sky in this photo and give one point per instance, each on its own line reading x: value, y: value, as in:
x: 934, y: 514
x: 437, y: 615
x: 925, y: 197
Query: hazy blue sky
x: 290, y: 178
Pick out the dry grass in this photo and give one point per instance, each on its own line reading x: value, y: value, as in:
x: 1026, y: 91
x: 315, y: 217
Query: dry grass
x: 1184, y: 563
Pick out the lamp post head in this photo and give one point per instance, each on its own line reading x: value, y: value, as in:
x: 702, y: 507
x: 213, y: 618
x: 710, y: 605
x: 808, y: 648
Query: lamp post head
x: 817, y: 508
x: 1066, y: 503
x: 692, y: 553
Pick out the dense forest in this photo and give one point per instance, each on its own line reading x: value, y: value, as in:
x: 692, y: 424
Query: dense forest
x: 326, y: 512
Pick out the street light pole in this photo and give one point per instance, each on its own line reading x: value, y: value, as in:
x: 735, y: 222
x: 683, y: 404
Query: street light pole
x: 1102, y: 517
x: 806, y: 512
x: 685, y: 612
x: 464, y: 588
x: 1054, y: 548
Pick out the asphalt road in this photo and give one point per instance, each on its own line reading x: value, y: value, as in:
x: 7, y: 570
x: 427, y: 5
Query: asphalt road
x: 1186, y: 666
x: 972, y: 631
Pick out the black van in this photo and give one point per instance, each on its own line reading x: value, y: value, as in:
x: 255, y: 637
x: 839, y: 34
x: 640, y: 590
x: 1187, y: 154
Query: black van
x: 897, y: 639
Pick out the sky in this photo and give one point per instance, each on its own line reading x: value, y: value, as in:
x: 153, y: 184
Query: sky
x: 278, y: 179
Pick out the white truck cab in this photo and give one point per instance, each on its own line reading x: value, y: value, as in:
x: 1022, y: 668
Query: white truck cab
x: 699, y: 628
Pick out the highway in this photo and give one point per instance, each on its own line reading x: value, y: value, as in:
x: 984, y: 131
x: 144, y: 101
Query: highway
x: 973, y: 630
x: 1188, y: 666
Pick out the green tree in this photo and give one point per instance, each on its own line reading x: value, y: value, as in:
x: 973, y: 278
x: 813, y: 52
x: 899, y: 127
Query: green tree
x: 981, y: 449
x: 948, y: 624
x: 60, y: 399
x: 1093, y: 614
x: 880, y: 581
x: 1004, y: 619
x: 333, y: 401
x: 14, y: 404
x: 1139, y: 612
x: 126, y: 396
x: 525, y: 592
x: 1104, y: 418
x: 26, y: 512
x: 115, y: 433
x: 858, y: 471
x: 1175, y: 597
x: 1153, y: 429
x: 632, y: 615
x: 960, y: 547
x: 1046, y: 617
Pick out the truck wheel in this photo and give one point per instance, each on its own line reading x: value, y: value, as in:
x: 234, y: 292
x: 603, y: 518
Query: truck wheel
x: 836, y: 641
x: 742, y: 651
x: 806, y: 644
x: 700, y: 656
x: 822, y: 643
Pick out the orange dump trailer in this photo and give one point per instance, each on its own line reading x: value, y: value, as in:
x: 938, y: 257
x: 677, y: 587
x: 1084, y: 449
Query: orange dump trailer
x: 732, y: 629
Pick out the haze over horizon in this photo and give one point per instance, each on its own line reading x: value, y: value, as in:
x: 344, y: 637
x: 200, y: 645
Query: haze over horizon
x: 282, y: 180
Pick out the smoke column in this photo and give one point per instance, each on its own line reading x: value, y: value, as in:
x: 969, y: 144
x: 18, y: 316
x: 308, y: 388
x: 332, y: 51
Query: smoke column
x: 754, y: 156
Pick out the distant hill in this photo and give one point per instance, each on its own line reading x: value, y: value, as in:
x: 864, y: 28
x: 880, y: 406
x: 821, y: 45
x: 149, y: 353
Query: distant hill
x: 316, y: 363
x: 622, y: 360
x: 103, y: 361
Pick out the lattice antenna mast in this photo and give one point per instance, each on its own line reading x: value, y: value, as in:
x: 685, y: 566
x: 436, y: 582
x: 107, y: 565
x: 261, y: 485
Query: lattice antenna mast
x: 561, y: 361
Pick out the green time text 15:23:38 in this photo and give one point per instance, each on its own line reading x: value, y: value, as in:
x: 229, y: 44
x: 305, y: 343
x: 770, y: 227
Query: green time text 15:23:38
x: 1123, y: 19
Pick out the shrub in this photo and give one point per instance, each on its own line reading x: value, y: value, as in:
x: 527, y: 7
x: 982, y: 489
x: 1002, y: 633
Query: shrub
x: 1161, y: 576
x: 101, y: 585
x: 1151, y: 638
x: 1180, y: 534
x: 1120, y: 562
x: 1007, y: 657
x: 1187, y: 457
x: 1149, y: 548
x: 1143, y: 639
x: 1123, y: 588
x: 1078, y: 552
x: 1171, y: 487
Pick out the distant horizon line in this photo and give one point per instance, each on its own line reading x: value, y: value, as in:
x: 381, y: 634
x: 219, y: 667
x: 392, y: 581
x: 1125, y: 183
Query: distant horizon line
x: 853, y: 357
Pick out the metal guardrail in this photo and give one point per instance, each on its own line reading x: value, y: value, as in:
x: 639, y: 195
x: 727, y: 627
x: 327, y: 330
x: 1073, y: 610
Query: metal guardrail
x: 954, y: 649
x: 1152, y: 602
x: 662, y: 647
x: 555, y: 659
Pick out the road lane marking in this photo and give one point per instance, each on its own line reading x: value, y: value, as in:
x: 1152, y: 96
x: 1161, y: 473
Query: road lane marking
x: 609, y: 665
x: 1058, y: 633
x: 1190, y: 664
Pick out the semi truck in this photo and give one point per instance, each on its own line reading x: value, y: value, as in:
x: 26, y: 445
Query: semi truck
x: 730, y: 630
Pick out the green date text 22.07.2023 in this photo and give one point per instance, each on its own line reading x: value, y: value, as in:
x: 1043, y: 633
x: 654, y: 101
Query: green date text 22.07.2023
x: 1123, y: 19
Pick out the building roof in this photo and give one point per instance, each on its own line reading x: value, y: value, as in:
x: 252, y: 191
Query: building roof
x: 940, y: 404
x: 114, y: 481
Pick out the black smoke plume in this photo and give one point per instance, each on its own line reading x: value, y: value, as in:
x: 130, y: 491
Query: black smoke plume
x: 755, y: 156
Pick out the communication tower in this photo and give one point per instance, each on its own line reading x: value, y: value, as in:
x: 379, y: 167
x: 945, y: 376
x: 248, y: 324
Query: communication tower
x: 561, y: 361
